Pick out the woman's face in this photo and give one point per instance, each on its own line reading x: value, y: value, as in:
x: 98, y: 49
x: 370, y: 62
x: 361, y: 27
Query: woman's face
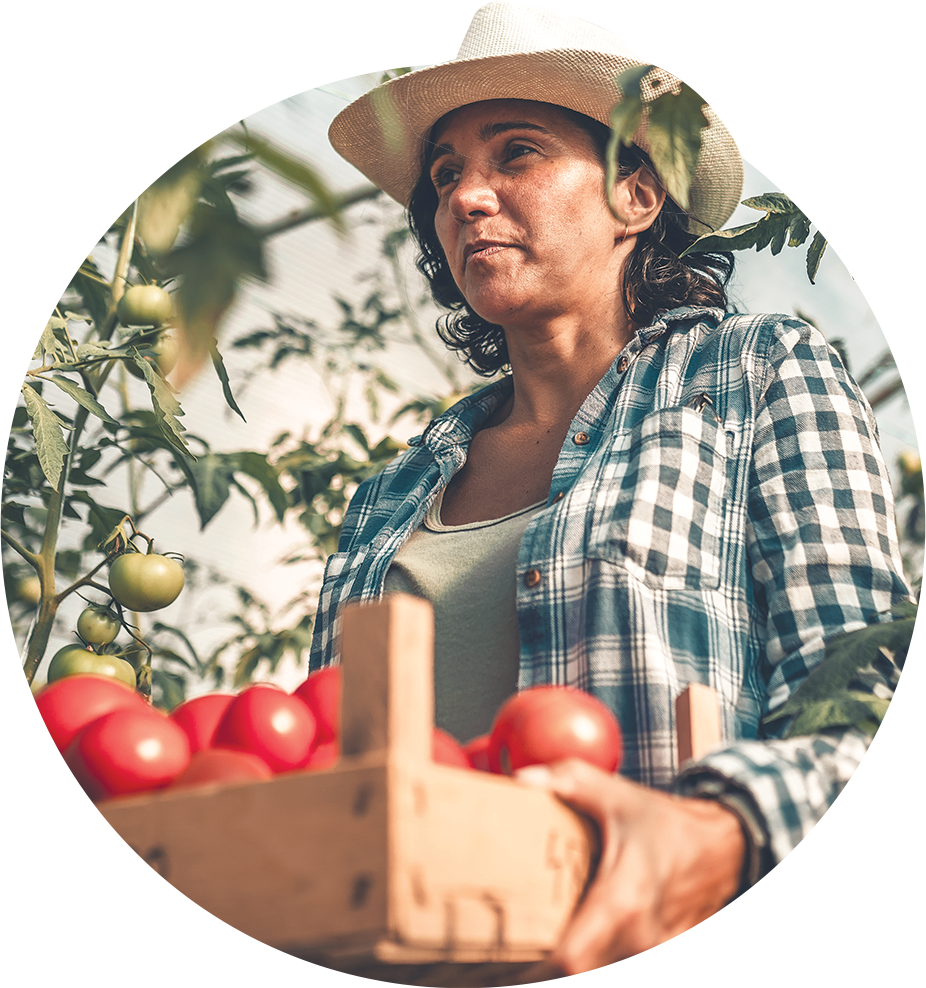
x: 522, y: 216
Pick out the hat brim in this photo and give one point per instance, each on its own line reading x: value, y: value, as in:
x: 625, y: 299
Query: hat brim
x: 384, y: 132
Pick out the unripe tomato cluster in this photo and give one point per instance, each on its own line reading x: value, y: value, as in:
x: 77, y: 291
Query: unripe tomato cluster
x: 117, y: 745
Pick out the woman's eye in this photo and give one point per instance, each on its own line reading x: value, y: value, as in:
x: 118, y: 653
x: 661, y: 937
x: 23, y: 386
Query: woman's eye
x: 519, y: 151
x: 445, y: 175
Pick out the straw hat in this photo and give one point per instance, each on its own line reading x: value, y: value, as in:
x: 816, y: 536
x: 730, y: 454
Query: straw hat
x: 515, y: 52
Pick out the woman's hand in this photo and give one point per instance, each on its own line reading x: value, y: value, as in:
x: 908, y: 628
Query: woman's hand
x: 667, y: 862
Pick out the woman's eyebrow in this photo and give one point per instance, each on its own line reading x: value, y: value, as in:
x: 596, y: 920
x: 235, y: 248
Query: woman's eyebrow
x: 486, y: 133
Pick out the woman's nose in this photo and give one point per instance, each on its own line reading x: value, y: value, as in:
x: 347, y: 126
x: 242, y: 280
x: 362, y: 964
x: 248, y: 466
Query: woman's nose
x: 474, y: 194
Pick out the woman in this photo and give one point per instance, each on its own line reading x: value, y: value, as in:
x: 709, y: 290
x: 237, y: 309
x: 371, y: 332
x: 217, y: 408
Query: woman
x: 658, y: 493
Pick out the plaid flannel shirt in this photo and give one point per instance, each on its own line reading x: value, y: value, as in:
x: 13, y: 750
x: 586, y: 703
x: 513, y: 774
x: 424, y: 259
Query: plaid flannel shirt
x: 720, y: 508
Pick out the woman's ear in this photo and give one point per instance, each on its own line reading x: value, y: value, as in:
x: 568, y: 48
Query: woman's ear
x: 637, y: 200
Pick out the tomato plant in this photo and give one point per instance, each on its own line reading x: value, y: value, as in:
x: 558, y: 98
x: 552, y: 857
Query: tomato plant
x: 221, y: 765
x: 71, y: 704
x: 270, y: 723
x: 321, y: 692
x: 145, y: 581
x: 164, y: 355
x: 200, y: 716
x: 544, y: 724
x: 74, y: 660
x: 98, y: 625
x: 446, y: 750
x: 127, y: 751
x: 145, y: 305
x: 36, y: 797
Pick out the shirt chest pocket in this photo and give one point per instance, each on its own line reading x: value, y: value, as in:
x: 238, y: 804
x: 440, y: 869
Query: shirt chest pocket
x: 659, y: 507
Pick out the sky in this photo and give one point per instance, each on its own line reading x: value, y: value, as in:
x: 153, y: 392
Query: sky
x: 833, y: 118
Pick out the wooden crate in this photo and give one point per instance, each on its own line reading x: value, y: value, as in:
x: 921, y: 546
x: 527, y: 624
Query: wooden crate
x: 386, y: 865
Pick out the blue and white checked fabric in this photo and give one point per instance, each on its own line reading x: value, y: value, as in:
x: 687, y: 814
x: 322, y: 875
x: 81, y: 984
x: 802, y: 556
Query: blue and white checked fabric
x: 730, y: 512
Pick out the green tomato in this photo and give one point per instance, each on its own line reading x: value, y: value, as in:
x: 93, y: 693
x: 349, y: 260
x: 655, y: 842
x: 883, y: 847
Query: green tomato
x: 73, y: 660
x: 166, y: 352
x: 145, y: 582
x: 145, y: 305
x: 97, y: 625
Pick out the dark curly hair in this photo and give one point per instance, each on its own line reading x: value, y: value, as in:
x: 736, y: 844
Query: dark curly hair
x: 656, y: 279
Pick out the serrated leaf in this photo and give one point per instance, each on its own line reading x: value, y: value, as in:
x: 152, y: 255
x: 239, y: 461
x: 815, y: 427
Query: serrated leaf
x: 846, y: 656
x: 890, y: 31
x: 814, y: 255
x: 230, y: 19
x: 92, y: 27
x: 674, y: 125
x: 772, y: 202
x: 855, y: 232
x: 166, y: 407
x: 87, y: 351
x: 912, y: 183
x: 800, y: 229
x: 54, y: 342
x: 737, y: 238
x: 84, y: 398
x: 47, y: 430
x: 219, y: 364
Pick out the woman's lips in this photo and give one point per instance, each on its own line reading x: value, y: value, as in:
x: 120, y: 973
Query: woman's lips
x: 478, y: 250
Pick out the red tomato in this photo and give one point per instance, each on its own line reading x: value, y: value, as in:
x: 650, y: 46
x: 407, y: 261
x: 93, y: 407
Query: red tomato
x: 43, y: 794
x: 544, y: 724
x: 477, y: 751
x: 321, y: 692
x: 446, y: 750
x: 200, y: 717
x: 324, y: 755
x: 221, y: 765
x: 127, y: 751
x: 268, y: 723
x: 72, y: 703
x: 10, y: 780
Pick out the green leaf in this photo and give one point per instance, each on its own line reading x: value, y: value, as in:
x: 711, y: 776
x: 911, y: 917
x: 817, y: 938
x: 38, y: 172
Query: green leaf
x: 855, y: 232
x: 626, y: 117
x: 219, y: 364
x: 298, y: 173
x: 850, y: 657
x: 843, y: 710
x: 890, y: 31
x: 800, y: 230
x: 912, y: 183
x: 92, y: 27
x: 231, y: 21
x: 814, y: 254
x: 165, y: 405
x: 675, y: 122
x: 209, y: 481
x: 772, y: 202
x: 84, y: 398
x: 737, y: 238
x: 47, y: 430
x: 259, y: 468
x: 54, y: 343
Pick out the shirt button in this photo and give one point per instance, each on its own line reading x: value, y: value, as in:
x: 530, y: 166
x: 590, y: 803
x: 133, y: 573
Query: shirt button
x: 532, y: 578
x: 622, y: 365
x: 581, y: 439
x: 557, y: 497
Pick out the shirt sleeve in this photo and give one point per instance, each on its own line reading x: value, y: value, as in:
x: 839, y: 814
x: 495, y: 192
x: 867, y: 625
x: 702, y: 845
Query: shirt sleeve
x: 824, y: 559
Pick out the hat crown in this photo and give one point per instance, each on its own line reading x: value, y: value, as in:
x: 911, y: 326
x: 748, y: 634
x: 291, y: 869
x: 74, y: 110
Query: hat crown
x: 513, y: 29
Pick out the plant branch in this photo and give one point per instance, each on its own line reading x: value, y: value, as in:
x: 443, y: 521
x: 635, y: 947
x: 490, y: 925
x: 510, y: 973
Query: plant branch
x: 298, y: 217
x: 31, y: 558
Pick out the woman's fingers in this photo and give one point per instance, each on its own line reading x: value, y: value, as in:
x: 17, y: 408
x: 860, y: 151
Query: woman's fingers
x: 666, y: 863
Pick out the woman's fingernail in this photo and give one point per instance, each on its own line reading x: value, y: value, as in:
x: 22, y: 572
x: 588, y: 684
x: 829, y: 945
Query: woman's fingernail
x: 536, y: 776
